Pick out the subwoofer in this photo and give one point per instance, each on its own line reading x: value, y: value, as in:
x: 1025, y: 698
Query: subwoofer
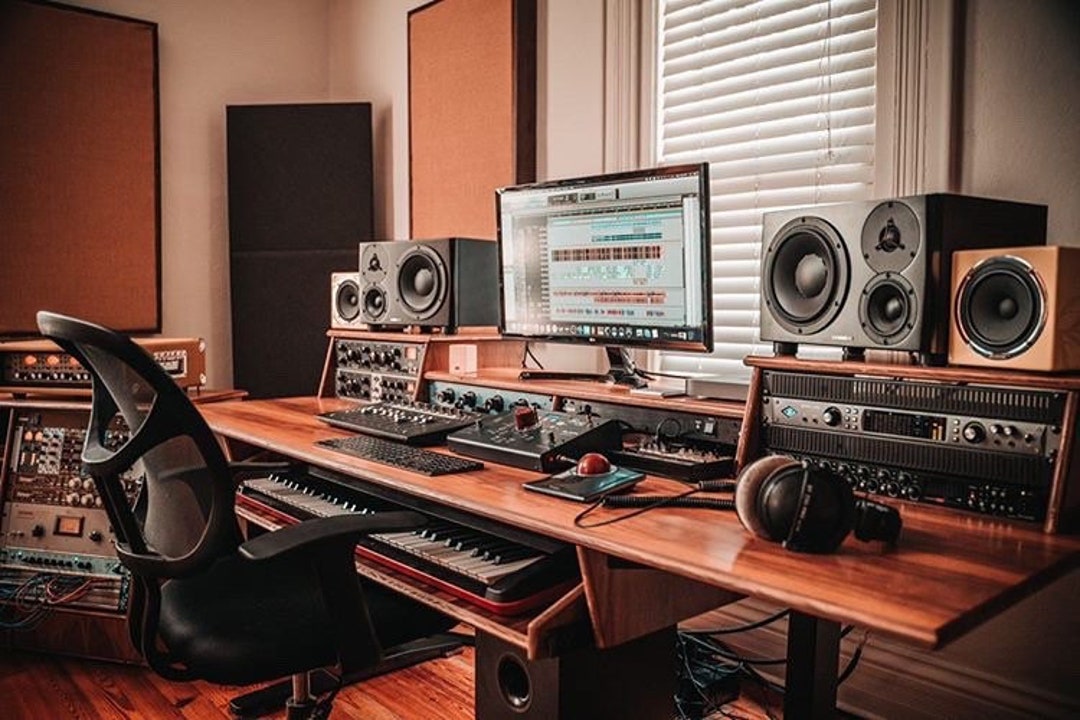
x: 1016, y: 308
x: 875, y: 274
x: 345, y: 300
x: 422, y: 283
x: 635, y: 679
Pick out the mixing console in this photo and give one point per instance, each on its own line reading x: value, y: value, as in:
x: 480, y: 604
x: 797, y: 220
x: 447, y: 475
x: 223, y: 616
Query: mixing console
x: 407, y: 422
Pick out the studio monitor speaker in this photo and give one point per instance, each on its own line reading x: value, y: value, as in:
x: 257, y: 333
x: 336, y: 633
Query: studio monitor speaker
x: 345, y: 300
x: 875, y: 274
x: 445, y: 283
x: 1016, y: 308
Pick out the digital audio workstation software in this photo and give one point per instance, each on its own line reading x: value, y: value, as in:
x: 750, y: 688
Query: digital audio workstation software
x: 619, y: 259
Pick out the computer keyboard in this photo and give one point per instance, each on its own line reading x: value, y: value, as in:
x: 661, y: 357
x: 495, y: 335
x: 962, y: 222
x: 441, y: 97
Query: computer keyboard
x: 409, y: 457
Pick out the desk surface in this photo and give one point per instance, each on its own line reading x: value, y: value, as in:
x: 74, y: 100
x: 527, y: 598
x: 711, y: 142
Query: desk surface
x: 949, y: 572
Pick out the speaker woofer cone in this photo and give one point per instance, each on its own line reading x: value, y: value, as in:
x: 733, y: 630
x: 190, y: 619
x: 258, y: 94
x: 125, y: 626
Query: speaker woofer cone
x: 374, y: 303
x: 887, y: 309
x: 805, y: 275
x: 421, y: 282
x: 347, y: 301
x: 1000, y: 307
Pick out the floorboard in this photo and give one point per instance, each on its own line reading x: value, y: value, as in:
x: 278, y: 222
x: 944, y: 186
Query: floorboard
x: 36, y: 686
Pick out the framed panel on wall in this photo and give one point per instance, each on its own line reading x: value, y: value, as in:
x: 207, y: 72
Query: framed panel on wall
x: 472, y: 112
x: 79, y: 168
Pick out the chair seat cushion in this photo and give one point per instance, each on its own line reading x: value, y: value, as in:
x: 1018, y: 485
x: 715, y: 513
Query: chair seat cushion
x: 245, y: 621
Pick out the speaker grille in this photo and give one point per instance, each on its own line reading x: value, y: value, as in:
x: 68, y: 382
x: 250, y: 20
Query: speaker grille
x: 1004, y: 403
x: 805, y: 275
x: 1000, y: 307
x: 1031, y: 471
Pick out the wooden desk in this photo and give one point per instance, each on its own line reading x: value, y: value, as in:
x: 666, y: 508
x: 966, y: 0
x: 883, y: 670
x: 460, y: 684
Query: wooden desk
x: 949, y: 573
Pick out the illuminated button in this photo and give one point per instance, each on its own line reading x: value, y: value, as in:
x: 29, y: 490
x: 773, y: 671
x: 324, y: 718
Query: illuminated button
x: 789, y: 412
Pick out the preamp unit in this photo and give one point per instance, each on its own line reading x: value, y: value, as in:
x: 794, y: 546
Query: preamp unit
x: 40, y: 366
x: 375, y: 370
x: 984, y: 448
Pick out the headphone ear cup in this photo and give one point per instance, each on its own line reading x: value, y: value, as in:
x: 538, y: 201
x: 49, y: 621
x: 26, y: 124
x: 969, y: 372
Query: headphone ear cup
x: 748, y: 489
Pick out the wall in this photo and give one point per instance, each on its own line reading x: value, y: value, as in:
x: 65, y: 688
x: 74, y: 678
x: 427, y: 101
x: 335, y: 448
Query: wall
x: 1021, y: 138
x: 212, y: 54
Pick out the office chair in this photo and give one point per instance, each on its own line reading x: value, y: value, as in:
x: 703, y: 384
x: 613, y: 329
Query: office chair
x: 205, y: 604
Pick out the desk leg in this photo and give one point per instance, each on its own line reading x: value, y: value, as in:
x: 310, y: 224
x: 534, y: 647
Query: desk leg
x: 813, y: 654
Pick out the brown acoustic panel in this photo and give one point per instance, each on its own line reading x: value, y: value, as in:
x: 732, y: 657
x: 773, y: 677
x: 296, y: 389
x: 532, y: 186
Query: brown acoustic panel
x: 472, y: 111
x: 79, y: 208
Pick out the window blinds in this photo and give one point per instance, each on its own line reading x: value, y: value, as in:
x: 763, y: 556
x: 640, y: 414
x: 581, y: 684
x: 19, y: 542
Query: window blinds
x: 778, y: 97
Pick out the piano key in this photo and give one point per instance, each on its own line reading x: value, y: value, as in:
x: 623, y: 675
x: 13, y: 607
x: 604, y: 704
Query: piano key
x: 460, y: 551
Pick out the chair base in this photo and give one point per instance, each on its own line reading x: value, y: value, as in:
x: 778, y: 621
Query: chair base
x: 272, y: 698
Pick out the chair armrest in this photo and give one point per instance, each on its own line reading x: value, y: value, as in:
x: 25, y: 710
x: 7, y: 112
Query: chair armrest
x: 337, y: 528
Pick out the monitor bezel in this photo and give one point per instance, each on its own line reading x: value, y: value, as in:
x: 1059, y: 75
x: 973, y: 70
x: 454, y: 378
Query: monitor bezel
x: 702, y: 171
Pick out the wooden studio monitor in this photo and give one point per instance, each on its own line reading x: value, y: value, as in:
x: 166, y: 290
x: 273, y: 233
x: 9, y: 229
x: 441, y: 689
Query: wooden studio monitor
x: 1016, y: 308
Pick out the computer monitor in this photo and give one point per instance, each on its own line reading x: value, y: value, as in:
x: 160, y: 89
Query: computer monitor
x: 619, y: 260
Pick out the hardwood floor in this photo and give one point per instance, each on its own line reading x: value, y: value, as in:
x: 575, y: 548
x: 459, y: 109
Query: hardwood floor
x: 36, y: 686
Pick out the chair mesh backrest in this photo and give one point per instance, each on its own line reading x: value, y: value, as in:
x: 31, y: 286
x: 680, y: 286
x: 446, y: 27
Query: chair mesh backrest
x: 184, y: 515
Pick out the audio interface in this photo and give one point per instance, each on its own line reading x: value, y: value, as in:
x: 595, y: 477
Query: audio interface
x: 533, y: 439
x: 988, y: 449
x: 482, y: 399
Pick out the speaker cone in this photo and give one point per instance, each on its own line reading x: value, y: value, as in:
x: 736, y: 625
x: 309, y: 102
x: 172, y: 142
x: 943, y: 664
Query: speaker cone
x: 374, y: 303
x: 1000, y: 307
x: 805, y: 275
x: 887, y: 309
x: 421, y: 282
x: 347, y: 301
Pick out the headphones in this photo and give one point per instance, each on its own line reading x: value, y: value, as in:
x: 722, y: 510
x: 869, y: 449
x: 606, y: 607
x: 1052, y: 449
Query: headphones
x: 808, y: 509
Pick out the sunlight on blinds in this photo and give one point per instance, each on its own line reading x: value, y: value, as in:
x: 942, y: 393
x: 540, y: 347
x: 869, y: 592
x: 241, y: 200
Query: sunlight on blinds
x: 778, y: 96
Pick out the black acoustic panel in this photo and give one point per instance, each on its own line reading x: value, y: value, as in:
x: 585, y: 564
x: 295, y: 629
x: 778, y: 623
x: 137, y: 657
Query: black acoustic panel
x: 300, y: 176
x: 279, y: 319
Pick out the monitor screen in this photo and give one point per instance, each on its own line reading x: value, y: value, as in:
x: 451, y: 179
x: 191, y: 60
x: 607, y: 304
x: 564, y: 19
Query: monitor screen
x: 615, y: 260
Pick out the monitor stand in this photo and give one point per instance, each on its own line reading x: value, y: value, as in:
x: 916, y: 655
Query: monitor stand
x: 621, y: 371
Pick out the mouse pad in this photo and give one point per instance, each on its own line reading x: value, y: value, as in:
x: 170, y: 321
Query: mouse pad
x: 586, y: 488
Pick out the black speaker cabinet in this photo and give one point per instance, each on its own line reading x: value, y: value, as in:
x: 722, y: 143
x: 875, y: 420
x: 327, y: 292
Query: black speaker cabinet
x: 632, y: 680
x: 876, y: 274
x: 345, y: 301
x: 300, y: 199
x: 1017, y: 308
x: 445, y: 283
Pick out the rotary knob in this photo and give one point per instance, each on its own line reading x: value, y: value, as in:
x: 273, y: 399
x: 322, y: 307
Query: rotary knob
x: 974, y: 433
x: 831, y: 416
